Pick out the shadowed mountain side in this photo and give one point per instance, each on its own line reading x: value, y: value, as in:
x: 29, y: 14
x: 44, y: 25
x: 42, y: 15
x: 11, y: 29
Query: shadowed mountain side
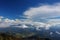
x: 15, y: 33
x: 4, y: 36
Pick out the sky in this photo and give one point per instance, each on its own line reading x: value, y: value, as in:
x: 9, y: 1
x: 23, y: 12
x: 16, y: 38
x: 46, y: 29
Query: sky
x: 39, y: 13
x: 15, y: 8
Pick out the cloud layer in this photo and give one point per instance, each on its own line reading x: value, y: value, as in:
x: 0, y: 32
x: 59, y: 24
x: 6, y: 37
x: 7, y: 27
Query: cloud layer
x: 34, y: 14
x: 43, y: 12
x: 5, y: 22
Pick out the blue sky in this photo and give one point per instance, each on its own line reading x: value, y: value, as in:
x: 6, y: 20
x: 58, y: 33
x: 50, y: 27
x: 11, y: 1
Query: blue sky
x: 14, y: 8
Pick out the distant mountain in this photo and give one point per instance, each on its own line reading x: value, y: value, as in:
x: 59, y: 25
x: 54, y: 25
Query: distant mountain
x: 53, y: 32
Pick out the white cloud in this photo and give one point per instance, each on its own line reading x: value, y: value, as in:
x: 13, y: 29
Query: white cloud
x: 6, y: 22
x: 54, y: 22
x: 58, y: 32
x: 43, y: 12
x: 1, y: 17
x: 51, y: 33
x: 22, y: 26
x: 36, y: 13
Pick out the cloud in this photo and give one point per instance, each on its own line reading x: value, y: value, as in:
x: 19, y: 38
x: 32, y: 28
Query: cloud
x: 6, y: 22
x: 43, y: 12
x: 58, y: 32
x: 51, y: 33
x: 22, y: 26
x: 54, y: 22
x: 34, y: 14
